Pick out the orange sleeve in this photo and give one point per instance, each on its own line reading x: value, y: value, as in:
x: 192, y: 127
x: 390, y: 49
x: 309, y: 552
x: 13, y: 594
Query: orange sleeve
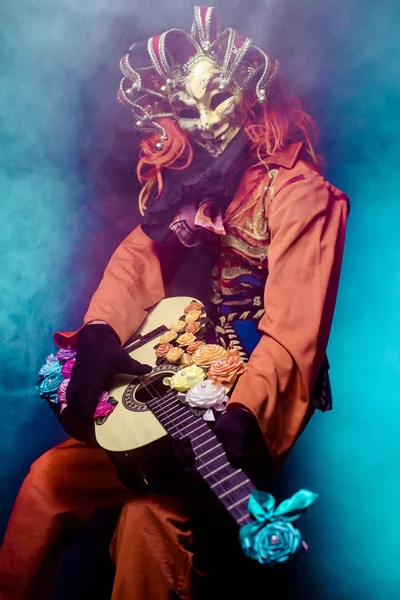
x: 132, y: 283
x: 307, y: 220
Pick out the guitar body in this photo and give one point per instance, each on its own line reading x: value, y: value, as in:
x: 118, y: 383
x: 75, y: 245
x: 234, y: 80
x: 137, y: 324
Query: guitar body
x: 132, y: 436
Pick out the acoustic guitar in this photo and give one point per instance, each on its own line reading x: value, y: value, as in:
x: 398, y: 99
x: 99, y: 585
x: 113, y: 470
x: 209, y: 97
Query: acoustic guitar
x: 138, y: 434
x: 139, y: 438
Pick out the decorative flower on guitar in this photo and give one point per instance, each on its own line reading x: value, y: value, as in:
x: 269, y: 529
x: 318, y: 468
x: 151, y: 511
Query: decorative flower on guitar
x: 174, y: 355
x: 51, y: 366
x: 48, y: 387
x: 185, y: 339
x: 104, y: 407
x: 163, y: 349
x: 54, y: 377
x: 192, y: 316
x: 62, y: 391
x: 193, y: 327
x: 185, y: 378
x: 66, y: 369
x: 168, y: 336
x: 194, y: 346
x: 226, y: 370
x: 193, y: 306
x: 276, y: 543
x: 207, y: 354
x: 204, y: 396
x: 272, y: 538
x: 65, y: 354
x: 178, y: 326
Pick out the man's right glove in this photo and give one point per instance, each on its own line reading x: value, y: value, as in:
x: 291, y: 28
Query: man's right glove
x: 99, y: 357
x: 237, y: 429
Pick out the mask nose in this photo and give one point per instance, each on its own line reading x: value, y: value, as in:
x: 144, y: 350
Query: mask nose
x: 208, y: 121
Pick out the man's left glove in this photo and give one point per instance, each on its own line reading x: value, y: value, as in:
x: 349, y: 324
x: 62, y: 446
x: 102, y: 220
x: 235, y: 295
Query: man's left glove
x: 99, y: 357
x: 237, y: 429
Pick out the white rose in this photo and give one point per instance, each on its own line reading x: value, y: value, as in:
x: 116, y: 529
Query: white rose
x: 207, y: 395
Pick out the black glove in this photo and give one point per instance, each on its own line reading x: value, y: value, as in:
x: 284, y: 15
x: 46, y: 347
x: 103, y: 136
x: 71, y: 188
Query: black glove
x: 237, y: 429
x: 99, y: 357
x: 183, y: 453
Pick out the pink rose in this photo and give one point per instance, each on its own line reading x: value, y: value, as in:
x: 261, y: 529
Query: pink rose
x: 67, y: 368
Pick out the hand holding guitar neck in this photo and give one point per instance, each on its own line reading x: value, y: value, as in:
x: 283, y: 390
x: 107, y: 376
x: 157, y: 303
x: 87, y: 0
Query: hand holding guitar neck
x: 99, y: 357
x: 236, y: 429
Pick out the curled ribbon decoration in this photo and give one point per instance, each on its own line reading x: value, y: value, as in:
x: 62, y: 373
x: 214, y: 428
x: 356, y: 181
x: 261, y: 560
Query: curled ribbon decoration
x: 272, y: 538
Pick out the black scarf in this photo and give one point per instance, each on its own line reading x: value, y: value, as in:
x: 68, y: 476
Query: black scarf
x: 206, y: 176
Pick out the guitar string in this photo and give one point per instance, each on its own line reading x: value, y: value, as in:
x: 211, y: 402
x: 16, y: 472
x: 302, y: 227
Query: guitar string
x: 155, y: 395
x: 178, y: 426
x: 158, y: 397
x: 183, y: 430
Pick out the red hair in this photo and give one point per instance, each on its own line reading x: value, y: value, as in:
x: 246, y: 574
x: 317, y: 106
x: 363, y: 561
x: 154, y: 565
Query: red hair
x: 270, y: 127
x: 281, y: 121
x: 177, y: 153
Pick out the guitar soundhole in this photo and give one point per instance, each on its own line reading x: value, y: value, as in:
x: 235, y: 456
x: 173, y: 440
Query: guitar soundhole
x: 136, y: 396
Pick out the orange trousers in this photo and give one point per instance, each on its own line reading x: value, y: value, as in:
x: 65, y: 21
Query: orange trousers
x: 151, y: 547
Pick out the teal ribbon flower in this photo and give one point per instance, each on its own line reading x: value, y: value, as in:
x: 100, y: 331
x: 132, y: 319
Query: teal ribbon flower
x: 272, y: 538
x: 51, y: 366
x: 48, y: 386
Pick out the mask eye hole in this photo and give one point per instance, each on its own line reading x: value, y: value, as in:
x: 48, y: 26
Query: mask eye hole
x: 189, y: 113
x: 219, y: 99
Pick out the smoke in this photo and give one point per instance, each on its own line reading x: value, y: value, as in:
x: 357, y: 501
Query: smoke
x: 68, y: 196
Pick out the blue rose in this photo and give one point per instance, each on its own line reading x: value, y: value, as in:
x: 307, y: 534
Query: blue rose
x: 270, y: 543
x: 51, y: 366
x: 48, y: 387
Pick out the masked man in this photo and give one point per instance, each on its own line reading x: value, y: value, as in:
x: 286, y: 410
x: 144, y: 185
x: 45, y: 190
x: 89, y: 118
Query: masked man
x: 226, y: 165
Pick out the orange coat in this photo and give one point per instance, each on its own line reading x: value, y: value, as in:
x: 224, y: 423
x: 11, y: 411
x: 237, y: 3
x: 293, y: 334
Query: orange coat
x: 306, y: 219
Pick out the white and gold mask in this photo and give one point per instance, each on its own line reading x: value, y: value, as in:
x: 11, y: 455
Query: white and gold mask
x: 198, y: 79
x: 211, y: 116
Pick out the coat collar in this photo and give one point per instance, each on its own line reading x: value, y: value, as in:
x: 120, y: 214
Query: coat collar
x: 286, y: 157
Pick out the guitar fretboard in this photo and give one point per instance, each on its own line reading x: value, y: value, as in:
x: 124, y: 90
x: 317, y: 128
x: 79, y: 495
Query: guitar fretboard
x: 230, y: 485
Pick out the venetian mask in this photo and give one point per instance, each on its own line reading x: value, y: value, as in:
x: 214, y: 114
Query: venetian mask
x: 197, y: 79
x: 209, y: 114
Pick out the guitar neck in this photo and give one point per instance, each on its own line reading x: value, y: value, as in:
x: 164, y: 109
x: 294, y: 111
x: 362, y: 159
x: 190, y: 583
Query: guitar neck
x: 230, y: 485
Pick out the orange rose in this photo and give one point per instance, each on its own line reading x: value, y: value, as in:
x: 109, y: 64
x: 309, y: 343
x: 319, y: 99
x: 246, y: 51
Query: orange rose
x: 192, y: 316
x: 163, y: 349
x: 168, y: 336
x: 193, y: 306
x: 207, y: 354
x: 174, y: 355
x: 226, y: 370
x: 194, y: 346
x: 193, y: 327
x: 178, y: 326
x: 185, y: 339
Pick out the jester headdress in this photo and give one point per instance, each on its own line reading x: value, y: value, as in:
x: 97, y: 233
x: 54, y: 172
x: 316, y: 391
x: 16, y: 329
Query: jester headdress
x: 156, y: 74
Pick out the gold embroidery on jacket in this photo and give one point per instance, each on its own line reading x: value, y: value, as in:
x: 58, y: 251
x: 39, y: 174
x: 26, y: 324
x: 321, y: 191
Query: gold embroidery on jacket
x: 254, y: 252
x: 257, y: 229
x: 233, y: 272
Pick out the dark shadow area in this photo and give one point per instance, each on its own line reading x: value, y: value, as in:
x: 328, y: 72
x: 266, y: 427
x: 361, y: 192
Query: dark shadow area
x: 86, y: 569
